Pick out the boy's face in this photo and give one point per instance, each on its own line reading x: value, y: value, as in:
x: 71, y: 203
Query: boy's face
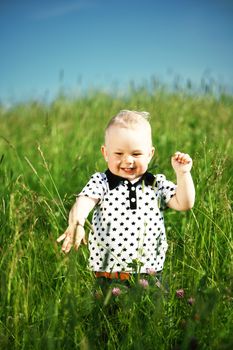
x: 128, y: 151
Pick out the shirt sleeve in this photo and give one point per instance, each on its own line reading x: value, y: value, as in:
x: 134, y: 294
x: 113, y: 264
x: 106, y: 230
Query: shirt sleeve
x: 166, y: 190
x: 96, y: 187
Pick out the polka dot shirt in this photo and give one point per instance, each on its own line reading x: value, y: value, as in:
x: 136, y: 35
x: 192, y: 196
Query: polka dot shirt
x: 128, y: 222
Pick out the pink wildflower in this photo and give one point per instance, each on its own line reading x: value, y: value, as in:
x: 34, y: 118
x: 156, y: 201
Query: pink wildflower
x: 144, y: 283
x: 191, y: 301
x: 116, y: 291
x: 180, y: 293
x: 151, y: 271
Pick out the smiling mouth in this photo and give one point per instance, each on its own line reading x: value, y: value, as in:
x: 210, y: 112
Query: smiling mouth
x: 128, y: 170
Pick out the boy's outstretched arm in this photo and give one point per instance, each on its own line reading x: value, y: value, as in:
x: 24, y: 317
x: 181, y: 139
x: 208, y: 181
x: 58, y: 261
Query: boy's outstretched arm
x: 185, y: 191
x: 75, y: 232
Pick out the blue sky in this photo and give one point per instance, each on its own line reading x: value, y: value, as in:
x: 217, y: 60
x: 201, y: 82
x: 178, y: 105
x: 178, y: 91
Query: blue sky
x: 47, y: 44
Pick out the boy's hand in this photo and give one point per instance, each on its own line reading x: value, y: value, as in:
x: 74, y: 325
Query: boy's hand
x: 181, y: 162
x: 74, y: 235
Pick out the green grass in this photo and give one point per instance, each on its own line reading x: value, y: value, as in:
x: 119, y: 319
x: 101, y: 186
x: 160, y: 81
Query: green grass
x: 50, y: 301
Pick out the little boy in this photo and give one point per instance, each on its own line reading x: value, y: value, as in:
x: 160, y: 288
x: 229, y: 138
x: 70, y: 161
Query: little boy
x: 128, y: 223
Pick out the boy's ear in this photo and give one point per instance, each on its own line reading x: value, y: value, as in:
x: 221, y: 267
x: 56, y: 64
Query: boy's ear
x: 152, y: 152
x: 104, y: 152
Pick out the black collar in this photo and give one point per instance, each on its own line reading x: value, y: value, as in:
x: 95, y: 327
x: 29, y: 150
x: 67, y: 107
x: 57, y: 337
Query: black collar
x: 115, y: 180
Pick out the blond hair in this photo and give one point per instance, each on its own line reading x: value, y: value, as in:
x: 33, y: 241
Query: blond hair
x: 129, y: 119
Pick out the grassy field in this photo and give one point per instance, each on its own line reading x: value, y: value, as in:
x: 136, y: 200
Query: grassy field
x: 50, y: 301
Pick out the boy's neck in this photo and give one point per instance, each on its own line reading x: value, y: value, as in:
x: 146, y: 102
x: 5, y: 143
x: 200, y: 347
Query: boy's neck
x: 135, y: 180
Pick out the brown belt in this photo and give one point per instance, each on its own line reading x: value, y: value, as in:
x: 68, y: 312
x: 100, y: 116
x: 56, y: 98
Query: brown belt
x: 114, y: 275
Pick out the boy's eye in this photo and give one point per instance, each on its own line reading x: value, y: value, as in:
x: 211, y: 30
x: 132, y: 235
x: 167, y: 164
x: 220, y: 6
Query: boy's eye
x: 137, y: 154
x: 118, y: 153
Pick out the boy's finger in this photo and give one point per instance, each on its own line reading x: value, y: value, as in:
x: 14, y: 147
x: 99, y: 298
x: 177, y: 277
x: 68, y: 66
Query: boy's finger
x: 66, y: 248
x: 182, y: 158
x: 176, y: 154
x: 59, y: 239
x: 67, y: 245
x: 77, y: 244
x: 186, y: 158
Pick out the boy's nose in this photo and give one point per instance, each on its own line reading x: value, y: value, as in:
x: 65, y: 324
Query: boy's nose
x: 128, y: 159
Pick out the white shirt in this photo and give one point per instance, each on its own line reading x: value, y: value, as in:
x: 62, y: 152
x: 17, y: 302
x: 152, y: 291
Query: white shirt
x: 128, y: 222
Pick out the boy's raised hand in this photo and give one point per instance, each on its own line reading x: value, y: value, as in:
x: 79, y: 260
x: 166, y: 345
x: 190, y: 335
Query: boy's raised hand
x: 181, y: 162
x: 74, y: 235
